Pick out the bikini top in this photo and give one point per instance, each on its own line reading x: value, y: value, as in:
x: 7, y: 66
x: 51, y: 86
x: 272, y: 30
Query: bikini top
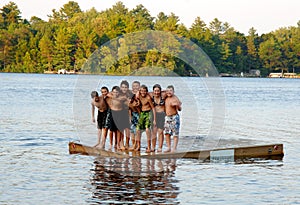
x: 161, y: 102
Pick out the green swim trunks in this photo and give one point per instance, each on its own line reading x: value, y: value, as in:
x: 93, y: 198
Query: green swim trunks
x: 144, y: 120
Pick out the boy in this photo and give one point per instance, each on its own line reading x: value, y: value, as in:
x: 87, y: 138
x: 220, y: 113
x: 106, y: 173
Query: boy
x: 144, y: 122
x: 100, y: 103
x: 172, y: 119
x: 134, y: 111
x: 116, y: 104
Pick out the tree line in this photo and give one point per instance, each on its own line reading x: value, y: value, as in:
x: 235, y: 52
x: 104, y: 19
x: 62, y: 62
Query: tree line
x: 71, y: 35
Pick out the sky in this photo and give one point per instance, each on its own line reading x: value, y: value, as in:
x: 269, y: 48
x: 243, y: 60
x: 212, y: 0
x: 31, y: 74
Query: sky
x: 263, y: 15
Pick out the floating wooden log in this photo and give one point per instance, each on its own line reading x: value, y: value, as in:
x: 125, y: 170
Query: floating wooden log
x: 272, y: 151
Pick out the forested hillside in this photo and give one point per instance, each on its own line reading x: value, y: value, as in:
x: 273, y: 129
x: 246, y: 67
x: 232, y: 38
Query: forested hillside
x: 69, y: 36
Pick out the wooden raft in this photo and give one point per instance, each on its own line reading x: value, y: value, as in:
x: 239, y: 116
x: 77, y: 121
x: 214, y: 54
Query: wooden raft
x: 273, y: 151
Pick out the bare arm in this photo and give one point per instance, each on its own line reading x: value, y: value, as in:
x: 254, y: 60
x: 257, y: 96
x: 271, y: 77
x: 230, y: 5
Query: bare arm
x: 93, y: 112
x: 178, y: 106
x: 153, y: 111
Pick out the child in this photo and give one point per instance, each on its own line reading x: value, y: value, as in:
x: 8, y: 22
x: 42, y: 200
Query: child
x: 134, y: 111
x: 144, y: 122
x: 172, y: 119
x: 116, y: 104
x: 100, y: 103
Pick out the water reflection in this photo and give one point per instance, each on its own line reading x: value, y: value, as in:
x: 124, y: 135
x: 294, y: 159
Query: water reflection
x: 134, y: 180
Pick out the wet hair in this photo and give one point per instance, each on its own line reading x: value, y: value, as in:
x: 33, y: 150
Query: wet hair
x: 124, y: 82
x: 132, y: 98
x: 157, y: 86
x: 104, y: 88
x: 171, y: 86
x: 94, y: 94
x: 145, y: 87
x: 137, y: 82
x: 116, y: 88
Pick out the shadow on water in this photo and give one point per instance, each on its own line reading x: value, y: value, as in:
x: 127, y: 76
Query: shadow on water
x: 134, y: 180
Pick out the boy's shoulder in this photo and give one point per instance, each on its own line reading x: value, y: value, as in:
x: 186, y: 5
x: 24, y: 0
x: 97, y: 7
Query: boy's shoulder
x: 148, y: 97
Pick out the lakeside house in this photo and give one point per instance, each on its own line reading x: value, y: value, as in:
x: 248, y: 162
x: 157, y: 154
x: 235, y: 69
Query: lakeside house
x: 61, y: 71
x: 283, y: 75
x: 275, y: 75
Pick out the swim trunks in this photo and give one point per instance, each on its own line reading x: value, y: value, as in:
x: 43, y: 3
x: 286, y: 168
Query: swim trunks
x: 144, y: 120
x: 118, y: 120
x: 134, y: 121
x: 172, y: 125
x: 125, y: 119
x: 160, y: 120
x: 101, y: 119
x: 110, y: 122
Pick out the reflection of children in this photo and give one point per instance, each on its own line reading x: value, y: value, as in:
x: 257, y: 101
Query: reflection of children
x: 172, y: 119
x: 144, y: 122
x: 100, y: 103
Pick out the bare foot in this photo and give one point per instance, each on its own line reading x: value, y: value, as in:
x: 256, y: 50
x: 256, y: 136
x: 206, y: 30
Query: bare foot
x: 137, y: 149
x: 99, y: 146
x: 152, y: 150
x: 159, y: 150
x: 110, y: 147
x: 148, y: 150
x: 168, y: 150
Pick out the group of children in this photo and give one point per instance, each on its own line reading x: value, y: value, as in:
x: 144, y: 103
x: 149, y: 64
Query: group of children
x: 125, y: 112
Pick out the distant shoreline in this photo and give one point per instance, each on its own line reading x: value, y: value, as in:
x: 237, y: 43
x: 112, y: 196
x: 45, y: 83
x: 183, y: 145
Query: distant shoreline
x: 223, y: 75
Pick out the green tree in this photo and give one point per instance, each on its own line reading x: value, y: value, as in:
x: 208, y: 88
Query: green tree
x: 216, y: 27
x: 10, y: 13
x: 46, y: 47
x: 117, y: 18
x: 253, y: 61
x: 66, y: 12
x: 286, y: 41
x: 295, y: 47
x: 123, y: 63
x: 270, y: 54
x: 84, y: 37
x: 62, y: 49
x: 139, y: 19
x: 27, y: 63
x: 202, y: 36
x: 237, y: 45
x: 167, y: 23
x: 6, y: 50
x: 226, y: 53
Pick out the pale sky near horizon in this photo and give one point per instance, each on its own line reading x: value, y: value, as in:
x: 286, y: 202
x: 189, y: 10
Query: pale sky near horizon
x: 264, y: 15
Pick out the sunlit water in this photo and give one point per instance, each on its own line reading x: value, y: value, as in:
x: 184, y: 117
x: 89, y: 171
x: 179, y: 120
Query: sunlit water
x: 40, y: 114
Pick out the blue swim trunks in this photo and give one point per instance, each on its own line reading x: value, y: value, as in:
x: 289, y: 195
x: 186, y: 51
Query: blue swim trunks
x: 134, y: 121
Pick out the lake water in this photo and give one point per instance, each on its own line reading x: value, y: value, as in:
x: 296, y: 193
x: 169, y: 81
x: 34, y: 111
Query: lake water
x: 40, y: 114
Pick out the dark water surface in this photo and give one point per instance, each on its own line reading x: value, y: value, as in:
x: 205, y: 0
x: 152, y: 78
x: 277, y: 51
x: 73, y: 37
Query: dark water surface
x: 40, y: 114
